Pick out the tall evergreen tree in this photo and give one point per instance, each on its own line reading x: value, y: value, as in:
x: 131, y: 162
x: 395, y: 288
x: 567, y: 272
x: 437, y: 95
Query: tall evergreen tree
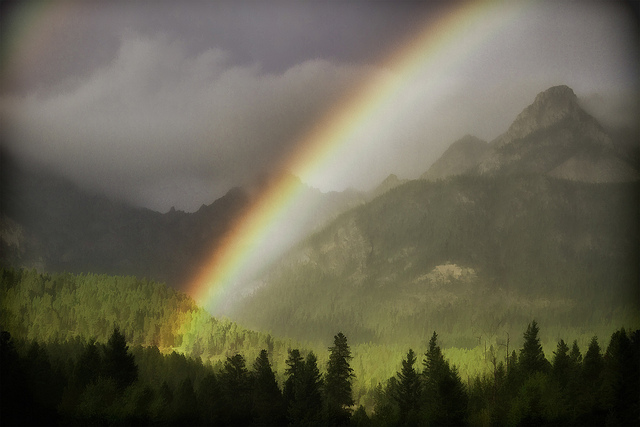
x: 185, y: 411
x: 119, y: 364
x: 89, y: 365
x: 593, y: 363
x: 267, y: 399
x: 295, y: 364
x: 532, y: 358
x: 236, y: 386
x: 338, y: 393
x: 589, y: 407
x: 305, y: 409
x: 575, y: 355
x: 445, y: 398
x: 561, y: 366
x: 210, y: 400
x: 408, y: 391
x: 620, y: 380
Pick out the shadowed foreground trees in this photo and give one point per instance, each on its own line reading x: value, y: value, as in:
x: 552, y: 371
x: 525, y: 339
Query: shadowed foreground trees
x: 86, y: 382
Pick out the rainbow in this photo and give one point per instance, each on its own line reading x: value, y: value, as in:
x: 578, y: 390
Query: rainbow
x: 424, y: 58
x: 264, y: 231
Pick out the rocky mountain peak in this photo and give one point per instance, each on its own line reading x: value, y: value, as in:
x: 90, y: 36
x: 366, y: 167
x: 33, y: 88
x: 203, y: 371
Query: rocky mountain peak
x: 549, y: 108
x: 459, y: 158
x: 389, y: 182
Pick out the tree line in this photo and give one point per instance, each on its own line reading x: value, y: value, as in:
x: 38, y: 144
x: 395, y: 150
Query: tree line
x: 525, y: 389
x: 91, y: 383
x: 88, y: 382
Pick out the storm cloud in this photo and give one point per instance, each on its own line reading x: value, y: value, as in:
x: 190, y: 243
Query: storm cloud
x: 167, y: 106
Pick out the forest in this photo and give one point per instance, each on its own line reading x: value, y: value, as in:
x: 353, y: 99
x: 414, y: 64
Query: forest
x: 75, y: 351
x: 468, y: 256
x: 85, y: 382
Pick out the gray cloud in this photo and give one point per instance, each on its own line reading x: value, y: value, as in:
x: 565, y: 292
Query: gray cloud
x: 166, y: 105
x: 156, y: 118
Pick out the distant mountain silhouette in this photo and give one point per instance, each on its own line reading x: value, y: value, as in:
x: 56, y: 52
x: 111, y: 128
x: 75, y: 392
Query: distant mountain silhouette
x: 51, y: 224
x: 541, y: 222
x: 552, y: 136
x: 460, y: 158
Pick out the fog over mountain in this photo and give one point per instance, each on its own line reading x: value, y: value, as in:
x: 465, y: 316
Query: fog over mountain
x: 541, y: 221
x: 51, y: 224
x: 170, y: 105
x: 319, y: 213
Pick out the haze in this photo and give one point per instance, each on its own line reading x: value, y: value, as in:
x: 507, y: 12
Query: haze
x: 165, y: 104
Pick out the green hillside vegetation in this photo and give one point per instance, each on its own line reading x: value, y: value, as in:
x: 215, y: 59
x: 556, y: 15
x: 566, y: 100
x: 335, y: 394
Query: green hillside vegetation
x: 80, y: 382
x: 475, y: 257
x: 60, y: 307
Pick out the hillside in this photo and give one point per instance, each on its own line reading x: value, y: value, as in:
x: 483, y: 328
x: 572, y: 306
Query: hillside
x: 98, y: 350
x: 62, y: 307
x: 460, y: 158
x: 466, y: 256
x: 541, y: 222
x: 51, y: 224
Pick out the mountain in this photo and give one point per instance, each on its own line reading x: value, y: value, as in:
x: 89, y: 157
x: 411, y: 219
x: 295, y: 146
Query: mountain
x: 552, y: 136
x: 539, y: 223
x: 461, y: 157
x: 390, y: 182
x: 51, y: 224
x: 462, y: 256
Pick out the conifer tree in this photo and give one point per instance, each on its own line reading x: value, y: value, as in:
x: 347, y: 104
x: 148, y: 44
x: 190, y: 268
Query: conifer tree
x: 445, y: 398
x: 119, y: 364
x: 589, y: 406
x: 561, y: 365
x: 236, y: 386
x: 305, y: 409
x: 209, y: 399
x: 593, y: 363
x: 185, y: 404
x: 267, y: 399
x: 89, y: 365
x: 620, y: 381
x: 408, y: 390
x: 575, y: 355
x: 338, y: 394
x: 295, y: 364
x: 532, y: 358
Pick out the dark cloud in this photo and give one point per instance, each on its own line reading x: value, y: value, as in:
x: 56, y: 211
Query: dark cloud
x: 167, y: 103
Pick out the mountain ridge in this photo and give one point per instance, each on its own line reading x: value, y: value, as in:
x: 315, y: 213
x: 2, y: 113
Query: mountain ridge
x: 553, y: 135
x: 49, y: 223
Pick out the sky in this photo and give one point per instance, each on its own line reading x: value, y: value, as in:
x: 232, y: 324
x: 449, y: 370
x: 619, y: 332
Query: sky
x: 174, y: 103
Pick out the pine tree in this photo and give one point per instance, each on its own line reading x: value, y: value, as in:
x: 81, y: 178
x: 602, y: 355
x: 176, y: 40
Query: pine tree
x: 185, y: 404
x: 408, y: 390
x: 338, y: 394
x: 532, y: 358
x: 561, y: 365
x: 593, y: 363
x: 589, y: 408
x: 267, y: 400
x: 445, y: 398
x: 305, y: 408
x: 236, y: 387
x: 89, y: 365
x: 209, y: 400
x: 620, y: 380
x: 575, y: 355
x: 119, y: 364
x: 295, y: 364
x: 435, y: 368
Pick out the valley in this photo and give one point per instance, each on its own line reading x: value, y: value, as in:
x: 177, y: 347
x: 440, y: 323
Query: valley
x: 538, y: 224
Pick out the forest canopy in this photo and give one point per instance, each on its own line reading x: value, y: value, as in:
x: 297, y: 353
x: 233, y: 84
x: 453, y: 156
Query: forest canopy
x: 72, y: 351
